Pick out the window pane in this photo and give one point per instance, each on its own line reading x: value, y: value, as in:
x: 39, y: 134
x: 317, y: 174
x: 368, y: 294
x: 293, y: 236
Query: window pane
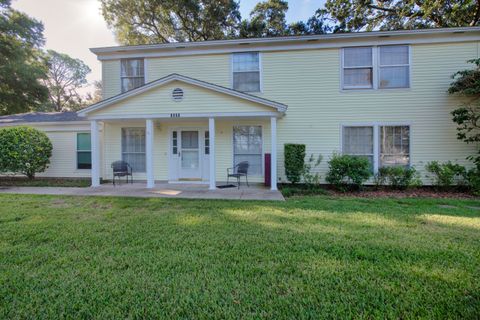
x: 254, y: 161
x: 83, y: 141
x: 132, y: 67
x: 357, y: 57
x: 84, y: 160
x: 393, y: 55
x: 133, y: 148
x: 132, y: 83
x: 246, y: 61
x: 190, y: 139
x: 394, y: 77
x: 357, y: 77
x: 247, y: 141
x: 358, y: 140
x: 394, y: 146
x: 135, y: 160
x: 246, y: 81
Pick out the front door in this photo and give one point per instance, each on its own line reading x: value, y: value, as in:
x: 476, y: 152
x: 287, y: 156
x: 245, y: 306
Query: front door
x: 189, y: 155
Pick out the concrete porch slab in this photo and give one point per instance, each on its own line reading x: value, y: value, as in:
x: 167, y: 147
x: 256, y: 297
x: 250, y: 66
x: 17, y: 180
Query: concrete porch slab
x: 161, y: 190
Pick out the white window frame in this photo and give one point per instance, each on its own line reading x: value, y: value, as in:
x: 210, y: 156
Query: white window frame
x: 376, y: 138
x: 121, y: 146
x: 263, y: 146
x: 260, y: 70
x: 144, y: 71
x: 77, y: 151
x: 376, y: 69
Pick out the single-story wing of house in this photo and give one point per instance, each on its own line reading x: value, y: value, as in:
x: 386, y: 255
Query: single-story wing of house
x: 188, y: 111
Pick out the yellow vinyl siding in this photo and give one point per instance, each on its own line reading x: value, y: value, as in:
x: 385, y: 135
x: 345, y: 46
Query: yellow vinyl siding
x: 308, y: 81
x: 110, y: 78
x: 63, y: 162
x: 209, y: 68
x: 196, y: 100
x: 112, y: 148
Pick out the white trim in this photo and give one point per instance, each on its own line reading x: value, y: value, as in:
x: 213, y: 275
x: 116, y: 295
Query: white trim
x: 176, y: 77
x: 77, y: 151
x: 250, y: 124
x: 149, y: 141
x: 375, y: 70
x: 291, y: 43
x: 189, y: 115
x: 273, y: 153
x: 95, y: 144
x: 212, y: 172
x: 260, y: 71
x: 376, y: 137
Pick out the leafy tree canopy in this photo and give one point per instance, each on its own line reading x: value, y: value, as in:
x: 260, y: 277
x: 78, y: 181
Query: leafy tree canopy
x: 355, y: 15
x: 66, y: 76
x: 21, y: 64
x: 467, y: 117
x: 153, y: 21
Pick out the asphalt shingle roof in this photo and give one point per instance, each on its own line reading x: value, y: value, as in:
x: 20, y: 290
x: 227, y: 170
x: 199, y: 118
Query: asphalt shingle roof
x: 40, y: 117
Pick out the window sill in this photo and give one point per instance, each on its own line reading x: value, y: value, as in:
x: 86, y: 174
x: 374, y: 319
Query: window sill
x: 375, y: 90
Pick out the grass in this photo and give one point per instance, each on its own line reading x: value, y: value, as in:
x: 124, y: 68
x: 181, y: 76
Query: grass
x: 312, y: 257
x: 43, y: 182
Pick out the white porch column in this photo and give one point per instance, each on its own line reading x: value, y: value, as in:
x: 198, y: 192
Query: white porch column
x: 273, y: 175
x: 95, y: 143
x: 149, y: 153
x: 211, y: 130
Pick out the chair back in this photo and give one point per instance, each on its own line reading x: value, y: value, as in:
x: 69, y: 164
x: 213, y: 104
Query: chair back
x: 120, y: 166
x: 242, y: 167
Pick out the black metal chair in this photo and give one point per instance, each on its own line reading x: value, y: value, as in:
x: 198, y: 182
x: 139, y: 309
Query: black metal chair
x: 240, y: 170
x: 122, y: 169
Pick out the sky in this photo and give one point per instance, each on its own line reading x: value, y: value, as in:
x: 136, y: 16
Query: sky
x: 74, y: 26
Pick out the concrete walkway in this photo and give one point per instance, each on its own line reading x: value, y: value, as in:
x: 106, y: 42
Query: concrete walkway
x: 162, y: 190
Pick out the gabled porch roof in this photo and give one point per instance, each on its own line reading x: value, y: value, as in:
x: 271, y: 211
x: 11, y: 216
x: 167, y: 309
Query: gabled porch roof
x: 195, y: 84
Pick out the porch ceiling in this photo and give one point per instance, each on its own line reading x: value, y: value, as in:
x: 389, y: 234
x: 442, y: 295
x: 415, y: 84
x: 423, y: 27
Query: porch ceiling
x: 198, y: 99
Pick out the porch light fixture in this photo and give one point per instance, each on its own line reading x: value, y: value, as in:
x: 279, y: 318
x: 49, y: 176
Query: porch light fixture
x: 177, y: 94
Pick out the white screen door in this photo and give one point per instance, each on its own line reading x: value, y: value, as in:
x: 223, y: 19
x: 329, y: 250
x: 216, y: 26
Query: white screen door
x: 189, y: 155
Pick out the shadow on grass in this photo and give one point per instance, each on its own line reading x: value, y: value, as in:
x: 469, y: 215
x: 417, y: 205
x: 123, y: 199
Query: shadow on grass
x: 316, y: 257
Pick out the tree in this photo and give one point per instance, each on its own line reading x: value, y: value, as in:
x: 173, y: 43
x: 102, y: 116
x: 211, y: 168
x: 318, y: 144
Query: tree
x: 270, y: 15
x: 355, y: 15
x: 467, y: 117
x: 154, y: 21
x: 65, y: 76
x: 97, y: 94
x: 24, y: 150
x: 21, y: 64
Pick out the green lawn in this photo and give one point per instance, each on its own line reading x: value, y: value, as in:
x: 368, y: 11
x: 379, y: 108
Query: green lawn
x: 315, y: 257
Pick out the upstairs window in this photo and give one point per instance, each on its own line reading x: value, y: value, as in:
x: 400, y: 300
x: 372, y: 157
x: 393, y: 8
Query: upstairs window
x: 246, y: 71
x: 383, y: 67
x: 357, y: 68
x: 132, y: 74
x: 394, y: 67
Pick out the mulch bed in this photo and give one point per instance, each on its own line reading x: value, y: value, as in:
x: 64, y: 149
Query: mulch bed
x: 413, y: 193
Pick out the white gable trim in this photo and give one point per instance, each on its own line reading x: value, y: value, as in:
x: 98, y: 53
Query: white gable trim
x: 176, y: 77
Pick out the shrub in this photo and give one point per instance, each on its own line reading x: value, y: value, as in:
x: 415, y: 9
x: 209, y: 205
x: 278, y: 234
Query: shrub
x: 446, y: 174
x: 310, y: 179
x: 24, y: 150
x: 400, y: 178
x: 294, y: 161
x: 346, y: 170
x: 472, y: 179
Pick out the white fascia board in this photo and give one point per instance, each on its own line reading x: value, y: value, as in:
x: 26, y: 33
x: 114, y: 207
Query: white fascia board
x: 423, y: 36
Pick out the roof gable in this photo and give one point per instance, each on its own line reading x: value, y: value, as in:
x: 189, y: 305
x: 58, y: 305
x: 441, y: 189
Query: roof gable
x: 206, y: 86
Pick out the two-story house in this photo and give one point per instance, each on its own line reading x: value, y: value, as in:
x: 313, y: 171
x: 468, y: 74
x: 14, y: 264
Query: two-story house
x: 188, y: 111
